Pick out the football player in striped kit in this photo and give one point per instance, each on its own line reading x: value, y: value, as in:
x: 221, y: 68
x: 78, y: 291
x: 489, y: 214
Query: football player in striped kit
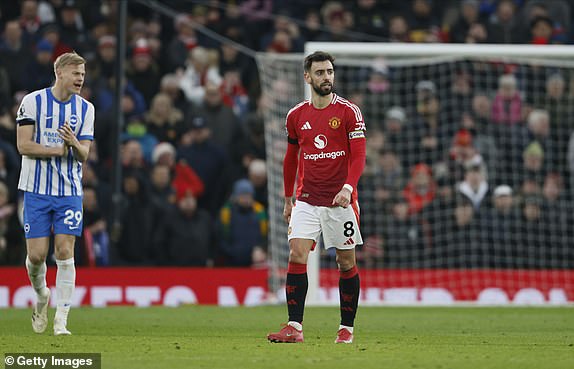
x: 55, y: 130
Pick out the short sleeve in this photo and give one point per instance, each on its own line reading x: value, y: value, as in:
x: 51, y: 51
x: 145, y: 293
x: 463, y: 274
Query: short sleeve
x: 27, y: 110
x: 87, y: 127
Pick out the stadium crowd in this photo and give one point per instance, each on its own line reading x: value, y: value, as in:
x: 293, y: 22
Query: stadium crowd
x: 193, y: 149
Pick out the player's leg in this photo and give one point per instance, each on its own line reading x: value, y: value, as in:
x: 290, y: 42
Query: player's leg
x: 304, y: 230
x: 349, y: 288
x: 37, y: 224
x: 296, y: 286
x: 341, y: 230
x: 67, y: 226
x: 65, y: 280
x: 37, y: 250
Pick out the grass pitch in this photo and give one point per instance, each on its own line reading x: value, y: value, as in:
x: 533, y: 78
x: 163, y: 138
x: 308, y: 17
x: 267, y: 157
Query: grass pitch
x: 214, y: 337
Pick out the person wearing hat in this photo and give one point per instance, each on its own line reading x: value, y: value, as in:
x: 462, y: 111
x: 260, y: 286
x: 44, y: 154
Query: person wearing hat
x: 430, y: 134
x: 40, y: 69
x: 500, y: 223
x: 143, y: 71
x: 242, y: 225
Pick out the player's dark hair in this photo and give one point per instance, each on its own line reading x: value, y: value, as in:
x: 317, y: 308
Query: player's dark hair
x: 317, y: 56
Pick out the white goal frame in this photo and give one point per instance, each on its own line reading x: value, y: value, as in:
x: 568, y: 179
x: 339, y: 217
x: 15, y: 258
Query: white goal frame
x: 411, y: 50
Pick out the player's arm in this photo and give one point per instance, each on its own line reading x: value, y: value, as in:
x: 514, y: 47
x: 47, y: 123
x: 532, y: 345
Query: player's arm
x: 29, y: 147
x: 358, y: 155
x: 290, y: 163
x: 80, y: 148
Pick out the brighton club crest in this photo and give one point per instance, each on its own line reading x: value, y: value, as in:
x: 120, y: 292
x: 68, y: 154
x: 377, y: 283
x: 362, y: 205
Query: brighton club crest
x: 334, y: 122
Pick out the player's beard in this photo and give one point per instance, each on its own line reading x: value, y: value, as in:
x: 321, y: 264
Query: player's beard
x: 323, y: 89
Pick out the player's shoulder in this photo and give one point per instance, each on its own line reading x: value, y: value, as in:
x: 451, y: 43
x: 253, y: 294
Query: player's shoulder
x: 341, y: 101
x: 298, y: 107
x: 31, y: 96
x: 85, y: 101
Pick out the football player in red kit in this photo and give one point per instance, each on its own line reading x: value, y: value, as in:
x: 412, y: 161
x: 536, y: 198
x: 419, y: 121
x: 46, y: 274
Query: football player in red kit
x: 326, y: 153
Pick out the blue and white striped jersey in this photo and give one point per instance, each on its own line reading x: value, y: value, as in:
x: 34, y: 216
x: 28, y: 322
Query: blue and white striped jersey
x: 56, y: 176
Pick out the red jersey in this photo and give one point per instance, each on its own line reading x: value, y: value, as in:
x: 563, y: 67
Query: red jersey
x: 324, y: 137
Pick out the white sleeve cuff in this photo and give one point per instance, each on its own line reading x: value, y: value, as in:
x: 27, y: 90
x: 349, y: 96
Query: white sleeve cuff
x: 348, y: 187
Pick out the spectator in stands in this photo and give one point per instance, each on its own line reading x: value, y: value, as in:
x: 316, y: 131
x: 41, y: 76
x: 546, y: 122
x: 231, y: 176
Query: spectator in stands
x: 560, y: 107
x: 533, y: 164
x: 161, y: 188
x: 541, y: 29
x: 102, y: 68
x: 169, y: 85
x: 475, y: 186
x: 484, y: 143
x: 184, y: 235
x: 136, y: 129
x: 29, y: 23
x: 73, y: 30
x: 369, y: 18
x: 538, y: 129
x: 137, y: 218
x: 242, y: 225
x: 338, y: 22
x: 430, y: 130
x: 40, y: 69
x: 283, y: 25
x: 225, y: 129
x: 182, y: 43
x: 468, y: 28
x: 394, y: 125
x: 183, y: 179
x: 532, y: 252
x: 403, y: 237
x: 389, y: 179
x: 143, y: 71
x: 399, y: 29
x: 462, y: 153
x: 208, y: 160
x: 507, y: 104
x: 51, y: 33
x: 501, y: 27
x: 94, y: 246
x: 378, y: 93
x: 466, y: 246
x: 257, y: 175
x: 557, y: 219
x: 422, y: 22
x: 163, y: 120
x: 500, y: 224
x: 234, y: 94
x: 198, y: 73
x: 13, y: 51
x: 420, y: 189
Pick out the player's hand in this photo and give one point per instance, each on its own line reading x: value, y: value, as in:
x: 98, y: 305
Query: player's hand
x: 287, y: 209
x: 343, y: 198
x: 68, y: 136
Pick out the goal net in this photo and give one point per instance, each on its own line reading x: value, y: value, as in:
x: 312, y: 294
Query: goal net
x: 467, y: 192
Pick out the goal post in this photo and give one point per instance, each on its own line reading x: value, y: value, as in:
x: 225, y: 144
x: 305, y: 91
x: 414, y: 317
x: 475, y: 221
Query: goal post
x: 469, y: 120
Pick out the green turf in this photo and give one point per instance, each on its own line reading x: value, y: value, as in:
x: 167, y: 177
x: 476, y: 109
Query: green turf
x: 212, y: 337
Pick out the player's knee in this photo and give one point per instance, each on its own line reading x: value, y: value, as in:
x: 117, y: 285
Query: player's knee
x: 36, y: 259
x: 297, y: 255
x: 345, y: 263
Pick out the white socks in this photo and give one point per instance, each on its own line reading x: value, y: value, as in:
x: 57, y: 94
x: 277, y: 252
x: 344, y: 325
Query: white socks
x: 65, y: 283
x: 350, y: 329
x: 298, y: 326
x: 37, y: 275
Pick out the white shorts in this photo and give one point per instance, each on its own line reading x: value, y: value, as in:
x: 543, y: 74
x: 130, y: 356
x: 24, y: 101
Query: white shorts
x: 340, y: 226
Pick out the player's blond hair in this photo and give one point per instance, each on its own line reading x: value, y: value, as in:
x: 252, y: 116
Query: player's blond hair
x: 71, y: 58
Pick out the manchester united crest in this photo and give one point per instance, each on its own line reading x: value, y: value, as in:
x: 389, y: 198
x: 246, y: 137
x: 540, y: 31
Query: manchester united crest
x: 334, y: 122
